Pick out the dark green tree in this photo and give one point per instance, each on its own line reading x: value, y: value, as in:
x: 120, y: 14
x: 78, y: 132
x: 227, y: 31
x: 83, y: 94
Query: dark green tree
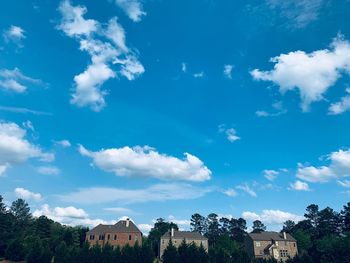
x: 288, y: 226
x: 15, y: 250
x: 62, y: 254
x: 258, y: 226
x: 345, y: 217
x: 213, y: 232
x: 198, y: 223
x: 170, y: 254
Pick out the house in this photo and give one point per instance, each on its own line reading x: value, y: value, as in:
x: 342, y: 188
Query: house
x: 266, y: 245
x: 122, y: 233
x: 178, y: 236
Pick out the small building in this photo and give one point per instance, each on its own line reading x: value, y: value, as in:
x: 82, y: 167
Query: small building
x: 122, y: 233
x: 266, y: 245
x: 178, y: 236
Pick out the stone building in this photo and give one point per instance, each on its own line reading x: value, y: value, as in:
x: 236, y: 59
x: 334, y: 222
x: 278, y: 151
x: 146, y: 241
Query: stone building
x: 266, y: 245
x: 178, y: 236
x: 122, y: 233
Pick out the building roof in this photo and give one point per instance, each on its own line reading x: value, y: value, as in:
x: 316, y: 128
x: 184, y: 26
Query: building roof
x: 267, y: 236
x: 184, y: 235
x: 119, y: 227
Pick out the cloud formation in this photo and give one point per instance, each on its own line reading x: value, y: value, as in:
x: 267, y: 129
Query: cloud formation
x: 147, y: 162
x: 270, y: 174
x: 155, y: 193
x: 133, y: 9
x: 228, y: 71
x: 15, y: 81
x: 271, y: 216
x: 27, y: 195
x: 48, y: 170
x: 338, y: 168
x: 231, y: 133
x: 341, y: 106
x: 14, y: 34
x: 16, y: 149
x: 299, y: 186
x: 110, y: 56
x: 312, y: 74
x: 246, y: 188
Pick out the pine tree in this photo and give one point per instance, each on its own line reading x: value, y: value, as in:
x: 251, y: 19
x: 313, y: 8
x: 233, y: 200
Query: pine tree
x: 170, y: 254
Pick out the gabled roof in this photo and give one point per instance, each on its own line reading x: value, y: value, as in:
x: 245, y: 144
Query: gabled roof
x: 267, y: 236
x: 184, y: 235
x: 119, y: 227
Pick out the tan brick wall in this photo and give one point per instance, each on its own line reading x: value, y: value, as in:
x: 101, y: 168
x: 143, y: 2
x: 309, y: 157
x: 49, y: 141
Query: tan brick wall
x: 164, y: 242
x: 258, y: 251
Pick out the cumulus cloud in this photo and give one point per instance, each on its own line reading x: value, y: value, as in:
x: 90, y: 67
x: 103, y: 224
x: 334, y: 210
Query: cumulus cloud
x: 231, y: 133
x: 15, y: 81
x: 339, y: 167
x: 312, y: 74
x: 133, y: 9
x: 15, y: 148
x: 14, y: 34
x: 342, y: 106
x: 27, y: 195
x: 147, y: 162
x: 155, y: 193
x: 69, y: 216
x: 271, y: 216
x: 110, y: 56
x: 299, y: 186
x: 228, y: 71
x: 48, y: 170
x: 246, y: 188
x: 270, y: 174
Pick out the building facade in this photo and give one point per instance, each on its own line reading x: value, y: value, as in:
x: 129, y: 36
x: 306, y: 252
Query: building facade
x: 178, y: 236
x: 122, y: 233
x: 266, y: 245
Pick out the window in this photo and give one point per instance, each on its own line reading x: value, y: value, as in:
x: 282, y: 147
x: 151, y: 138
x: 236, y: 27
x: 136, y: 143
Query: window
x: 129, y: 237
x: 258, y: 244
x: 276, y: 243
x: 92, y: 237
x: 115, y: 237
x: 293, y: 244
x: 108, y: 236
x: 284, y: 253
x: 101, y: 237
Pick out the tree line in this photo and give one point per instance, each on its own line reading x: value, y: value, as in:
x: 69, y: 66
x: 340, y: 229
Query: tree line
x: 323, y: 236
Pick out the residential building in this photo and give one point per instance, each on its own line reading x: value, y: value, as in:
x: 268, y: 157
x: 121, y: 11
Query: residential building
x: 122, y: 233
x: 266, y: 245
x: 178, y: 236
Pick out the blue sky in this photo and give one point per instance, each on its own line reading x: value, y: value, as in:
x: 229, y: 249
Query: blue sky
x: 152, y: 109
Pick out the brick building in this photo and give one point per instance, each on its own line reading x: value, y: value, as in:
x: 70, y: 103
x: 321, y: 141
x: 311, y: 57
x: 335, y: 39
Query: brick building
x: 122, y: 233
x: 266, y: 245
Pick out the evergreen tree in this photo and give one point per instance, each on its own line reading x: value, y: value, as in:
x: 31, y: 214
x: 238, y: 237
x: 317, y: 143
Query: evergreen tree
x: 288, y: 226
x: 213, y: 232
x: 258, y: 226
x: 38, y: 252
x: 345, y: 217
x: 237, y: 229
x: 203, y: 256
x: 170, y: 254
x: 15, y: 251
x: 312, y: 214
x: 198, y: 223
x: 329, y: 223
x: 62, y: 254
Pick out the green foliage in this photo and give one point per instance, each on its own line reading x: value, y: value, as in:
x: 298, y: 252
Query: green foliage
x: 15, y: 250
x: 258, y: 226
x: 171, y: 254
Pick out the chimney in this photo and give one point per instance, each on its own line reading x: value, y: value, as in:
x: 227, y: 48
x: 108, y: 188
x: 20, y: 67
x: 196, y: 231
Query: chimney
x: 172, y: 232
x: 284, y: 235
x: 127, y: 222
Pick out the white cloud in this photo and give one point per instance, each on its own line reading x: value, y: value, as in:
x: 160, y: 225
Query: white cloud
x: 107, y: 48
x: 198, y: 74
x: 228, y: 71
x: 147, y: 162
x: 182, y: 223
x: 64, y: 143
x: 69, y: 216
x: 271, y: 216
x: 14, y: 80
x: 231, y: 133
x: 277, y: 110
x: 339, y: 167
x: 15, y: 149
x: 311, y: 73
x: 246, y: 188
x: 27, y: 195
x: 155, y: 193
x: 133, y: 8
x: 14, y: 34
x: 344, y: 183
x: 299, y: 186
x: 270, y: 174
x: 299, y: 12
x: 230, y: 192
x: 23, y: 110
x: 48, y: 170
x: 145, y: 228
x: 184, y: 67
x: 342, y: 106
